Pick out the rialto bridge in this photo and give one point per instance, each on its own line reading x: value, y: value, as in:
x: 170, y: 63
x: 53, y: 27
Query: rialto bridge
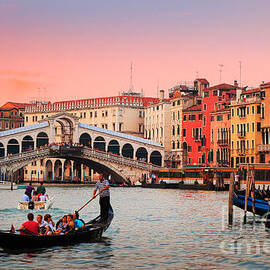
x: 65, y: 148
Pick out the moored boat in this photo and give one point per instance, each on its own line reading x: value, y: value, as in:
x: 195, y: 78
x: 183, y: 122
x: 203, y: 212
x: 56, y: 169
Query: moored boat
x: 261, y: 207
x: 92, y: 231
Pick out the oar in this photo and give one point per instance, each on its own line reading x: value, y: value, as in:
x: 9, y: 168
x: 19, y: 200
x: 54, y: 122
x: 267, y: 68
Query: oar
x: 88, y: 202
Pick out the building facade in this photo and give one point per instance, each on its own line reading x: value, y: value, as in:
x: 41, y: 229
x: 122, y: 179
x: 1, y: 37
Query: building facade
x: 246, y: 117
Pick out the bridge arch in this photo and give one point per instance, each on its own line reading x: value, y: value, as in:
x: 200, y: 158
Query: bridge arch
x: 58, y: 170
x: 100, y: 143
x: 114, y: 147
x: 42, y: 139
x: 85, y: 140
x: 67, y: 170
x: 128, y: 150
x: 156, y: 158
x: 2, y: 150
x: 142, y: 154
x: 27, y: 143
x: 49, y: 170
x: 13, y: 146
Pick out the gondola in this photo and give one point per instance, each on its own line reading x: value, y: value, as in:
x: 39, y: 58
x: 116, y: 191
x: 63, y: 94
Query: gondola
x: 261, y: 207
x: 92, y: 231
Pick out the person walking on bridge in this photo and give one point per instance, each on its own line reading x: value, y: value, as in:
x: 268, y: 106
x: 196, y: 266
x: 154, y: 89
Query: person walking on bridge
x: 104, y: 198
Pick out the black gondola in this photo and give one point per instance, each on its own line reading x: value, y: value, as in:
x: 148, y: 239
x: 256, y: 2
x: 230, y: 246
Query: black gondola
x: 92, y: 231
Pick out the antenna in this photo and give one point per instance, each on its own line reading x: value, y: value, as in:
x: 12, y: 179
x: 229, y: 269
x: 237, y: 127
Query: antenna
x: 220, y: 71
x: 131, y: 78
x: 240, y: 73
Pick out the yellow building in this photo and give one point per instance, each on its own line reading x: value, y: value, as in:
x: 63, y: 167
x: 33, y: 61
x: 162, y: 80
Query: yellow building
x: 120, y: 113
x: 246, y: 115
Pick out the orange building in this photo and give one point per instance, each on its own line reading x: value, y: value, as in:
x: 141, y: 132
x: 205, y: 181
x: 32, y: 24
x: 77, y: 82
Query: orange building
x: 220, y: 138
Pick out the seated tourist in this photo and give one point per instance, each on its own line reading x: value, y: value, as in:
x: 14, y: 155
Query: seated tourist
x: 49, y: 225
x: 41, y: 224
x: 35, y: 197
x: 79, y: 224
x: 29, y: 227
x: 62, y: 225
x: 25, y: 197
x: 42, y: 198
x: 70, y: 224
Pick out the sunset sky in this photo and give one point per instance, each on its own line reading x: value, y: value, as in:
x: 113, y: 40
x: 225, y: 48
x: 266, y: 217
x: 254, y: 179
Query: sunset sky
x: 67, y: 49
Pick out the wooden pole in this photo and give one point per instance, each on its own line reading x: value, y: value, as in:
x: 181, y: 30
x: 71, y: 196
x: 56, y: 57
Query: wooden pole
x: 253, y: 192
x: 230, y: 201
x: 247, y: 193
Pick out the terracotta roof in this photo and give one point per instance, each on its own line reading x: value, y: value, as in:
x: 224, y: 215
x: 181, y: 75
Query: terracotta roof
x: 193, y: 108
x: 223, y: 110
x: 10, y: 105
x: 249, y: 91
x: 202, y: 81
x: 222, y: 86
x: 176, y: 94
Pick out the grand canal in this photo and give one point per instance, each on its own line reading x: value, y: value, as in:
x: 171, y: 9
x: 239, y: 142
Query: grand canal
x: 161, y: 229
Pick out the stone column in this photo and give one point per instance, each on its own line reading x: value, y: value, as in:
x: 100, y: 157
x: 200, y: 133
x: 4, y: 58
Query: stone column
x: 82, y: 173
x: 63, y: 170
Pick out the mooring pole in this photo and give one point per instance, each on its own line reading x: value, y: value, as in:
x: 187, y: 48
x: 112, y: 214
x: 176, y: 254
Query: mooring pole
x: 247, y: 193
x: 230, y: 202
x: 11, y: 182
x: 253, y: 192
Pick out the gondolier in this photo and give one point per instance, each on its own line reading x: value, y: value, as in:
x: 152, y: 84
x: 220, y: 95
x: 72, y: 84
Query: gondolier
x: 104, y: 199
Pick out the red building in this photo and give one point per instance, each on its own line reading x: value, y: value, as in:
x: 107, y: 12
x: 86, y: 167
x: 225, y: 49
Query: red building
x: 214, y: 98
x: 11, y: 115
x: 192, y: 134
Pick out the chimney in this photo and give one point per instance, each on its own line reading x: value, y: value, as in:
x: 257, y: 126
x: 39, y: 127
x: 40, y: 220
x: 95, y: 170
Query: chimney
x: 161, y: 94
x: 235, y: 83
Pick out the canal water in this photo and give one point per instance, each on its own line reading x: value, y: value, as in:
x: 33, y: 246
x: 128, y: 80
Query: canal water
x: 152, y: 229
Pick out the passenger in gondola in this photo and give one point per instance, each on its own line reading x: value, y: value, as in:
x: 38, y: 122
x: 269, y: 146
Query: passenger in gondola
x: 79, y: 224
x: 29, y: 190
x: 49, y: 225
x: 41, y: 224
x: 29, y: 227
x: 42, y: 198
x: 35, y: 197
x: 62, y: 225
x: 25, y: 197
x: 70, y: 224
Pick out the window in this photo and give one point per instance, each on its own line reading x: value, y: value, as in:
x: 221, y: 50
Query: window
x: 258, y: 109
x: 215, y: 93
x: 206, y: 94
x: 26, y: 119
x: 219, y: 117
x: 212, y: 135
x: 120, y: 126
x: 178, y: 102
x: 252, y: 109
x: 204, y: 120
x: 173, y: 115
x: 91, y: 114
x: 200, y: 116
x: 228, y: 116
x: 173, y: 130
x: 262, y: 112
x: 95, y: 113
x: 252, y: 159
x: 252, y: 144
x: 253, y: 127
x: 140, y: 114
x: 189, y: 148
x: 192, y: 117
x: 184, y: 117
x: 247, y: 110
x: 212, y: 118
x: 199, y: 148
x: 184, y: 132
x: 204, y: 107
x: 232, y: 112
x: 258, y: 126
x: 247, y: 127
x: 232, y: 128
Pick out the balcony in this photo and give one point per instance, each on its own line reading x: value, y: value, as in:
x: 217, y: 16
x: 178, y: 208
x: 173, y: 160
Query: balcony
x: 242, y: 152
x: 241, y: 134
x: 263, y: 148
x: 197, y: 139
x: 223, y: 142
